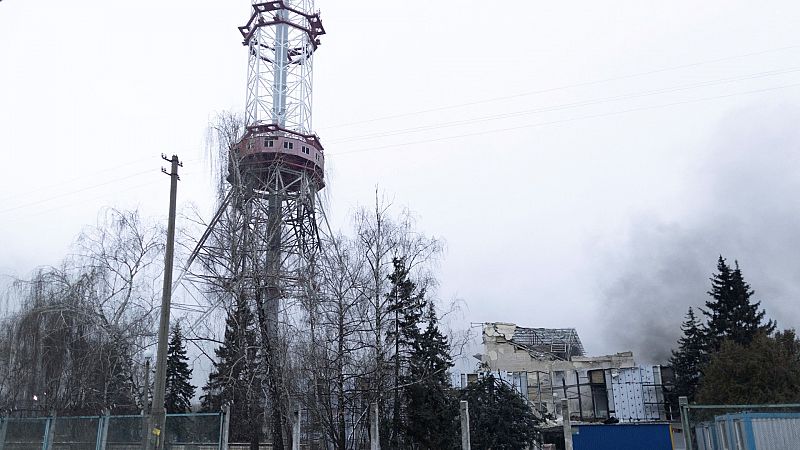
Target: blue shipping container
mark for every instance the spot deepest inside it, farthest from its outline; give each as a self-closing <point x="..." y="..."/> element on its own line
<point x="622" y="436"/>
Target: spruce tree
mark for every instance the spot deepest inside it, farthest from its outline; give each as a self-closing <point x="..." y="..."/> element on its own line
<point x="432" y="410"/>
<point x="730" y="312"/>
<point x="406" y="306"/>
<point x="691" y="356"/>
<point x="235" y="378"/>
<point x="179" y="389"/>
<point x="499" y="418"/>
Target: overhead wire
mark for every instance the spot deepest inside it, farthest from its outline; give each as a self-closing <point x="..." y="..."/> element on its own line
<point x="560" y="121"/>
<point x="66" y="194"/>
<point x="563" y="106"/>
<point x="29" y="192"/>
<point x="563" y="87"/>
<point x="84" y="189"/>
<point x="68" y="204"/>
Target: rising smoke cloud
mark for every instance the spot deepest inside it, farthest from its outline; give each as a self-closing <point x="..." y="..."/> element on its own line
<point x="745" y="207"/>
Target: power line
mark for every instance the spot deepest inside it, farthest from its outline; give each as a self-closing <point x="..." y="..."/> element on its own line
<point x="68" y="204"/>
<point x="563" y="87"/>
<point x="66" y="194"/>
<point x="83" y="189"/>
<point x="554" y="122"/>
<point x="565" y="106"/>
<point x="72" y="180"/>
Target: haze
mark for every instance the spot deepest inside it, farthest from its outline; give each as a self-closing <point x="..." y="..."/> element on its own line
<point x="586" y="162"/>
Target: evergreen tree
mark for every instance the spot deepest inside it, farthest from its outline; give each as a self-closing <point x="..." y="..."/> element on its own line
<point x="767" y="370"/>
<point x="730" y="313"/>
<point x="235" y="378"/>
<point x="432" y="409"/>
<point x="179" y="389"/>
<point x="406" y="306"/>
<point x="689" y="359"/>
<point x="499" y="418"/>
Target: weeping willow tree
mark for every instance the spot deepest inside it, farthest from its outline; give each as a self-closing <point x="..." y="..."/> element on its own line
<point x="75" y="342"/>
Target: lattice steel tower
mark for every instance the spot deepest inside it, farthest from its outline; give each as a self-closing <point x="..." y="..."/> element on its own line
<point x="276" y="169"/>
<point x="263" y="240"/>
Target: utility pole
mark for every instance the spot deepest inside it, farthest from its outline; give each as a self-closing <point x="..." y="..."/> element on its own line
<point x="158" y="416"/>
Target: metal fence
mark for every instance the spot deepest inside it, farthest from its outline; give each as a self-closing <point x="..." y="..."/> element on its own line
<point x="741" y="427"/>
<point x="201" y="431"/>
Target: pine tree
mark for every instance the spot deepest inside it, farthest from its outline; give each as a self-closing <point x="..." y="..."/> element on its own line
<point x="691" y="356"/>
<point x="432" y="408"/>
<point x="730" y="313"/>
<point x="235" y="378"/>
<point x="178" y="387"/>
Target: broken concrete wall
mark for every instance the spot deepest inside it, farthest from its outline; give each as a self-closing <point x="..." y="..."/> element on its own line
<point x="589" y="382"/>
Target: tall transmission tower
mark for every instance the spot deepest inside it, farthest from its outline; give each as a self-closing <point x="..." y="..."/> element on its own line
<point x="277" y="168"/>
<point x="264" y="238"/>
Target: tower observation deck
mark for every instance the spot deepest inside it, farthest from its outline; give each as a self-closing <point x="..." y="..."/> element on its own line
<point x="281" y="38"/>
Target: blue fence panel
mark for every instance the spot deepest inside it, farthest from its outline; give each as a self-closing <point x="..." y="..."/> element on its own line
<point x="197" y="431"/>
<point x="706" y="436"/>
<point x="622" y="436"/>
<point x="25" y="434"/>
<point x="756" y="431"/>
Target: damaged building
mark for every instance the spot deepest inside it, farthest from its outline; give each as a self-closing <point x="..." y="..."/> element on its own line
<point x="546" y="365"/>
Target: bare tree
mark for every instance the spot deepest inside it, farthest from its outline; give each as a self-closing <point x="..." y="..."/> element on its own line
<point x="82" y="325"/>
<point x="382" y="238"/>
<point x="332" y="356"/>
<point x="346" y="347"/>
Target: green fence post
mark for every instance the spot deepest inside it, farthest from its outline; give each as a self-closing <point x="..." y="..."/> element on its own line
<point x="102" y="430"/>
<point x="374" y="427"/>
<point x="49" y="432"/>
<point x="464" y="416"/>
<point x="224" y="427"/>
<point x="298" y="415"/>
<point x="683" y="402"/>
<point x="3" y="428"/>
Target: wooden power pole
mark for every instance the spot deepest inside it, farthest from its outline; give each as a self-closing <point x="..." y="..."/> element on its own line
<point x="158" y="415"/>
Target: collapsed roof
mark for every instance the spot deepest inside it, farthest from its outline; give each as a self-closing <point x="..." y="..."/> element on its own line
<point x="541" y="343"/>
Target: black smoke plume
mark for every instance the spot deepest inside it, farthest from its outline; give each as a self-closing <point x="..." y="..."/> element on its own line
<point x="743" y="202"/>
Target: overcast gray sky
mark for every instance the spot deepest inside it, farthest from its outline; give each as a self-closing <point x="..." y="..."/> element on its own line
<point x="586" y="162"/>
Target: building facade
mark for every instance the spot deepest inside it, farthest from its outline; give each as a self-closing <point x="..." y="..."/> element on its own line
<point x="546" y="365"/>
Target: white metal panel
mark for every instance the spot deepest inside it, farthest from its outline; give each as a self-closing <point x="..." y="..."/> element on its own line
<point x="776" y="433"/>
<point x="635" y="394"/>
<point x="701" y="431"/>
